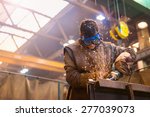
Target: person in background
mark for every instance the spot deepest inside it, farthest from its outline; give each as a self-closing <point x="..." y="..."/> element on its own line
<point x="92" y="58"/>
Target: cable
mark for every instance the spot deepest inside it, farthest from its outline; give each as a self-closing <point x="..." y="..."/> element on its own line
<point x="118" y="10"/>
<point x="108" y="5"/>
<point x="136" y="71"/>
<point x="142" y="68"/>
<point x="124" y="9"/>
<point x="95" y="2"/>
<point x="115" y="10"/>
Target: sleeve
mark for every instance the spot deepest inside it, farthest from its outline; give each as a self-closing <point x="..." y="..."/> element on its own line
<point x="73" y="76"/>
<point x="124" y="59"/>
<point x="118" y="50"/>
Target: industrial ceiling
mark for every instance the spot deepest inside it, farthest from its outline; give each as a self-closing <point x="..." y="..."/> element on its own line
<point x="38" y="44"/>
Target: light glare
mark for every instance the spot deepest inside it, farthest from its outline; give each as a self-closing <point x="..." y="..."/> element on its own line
<point x="25" y="70"/>
<point x="71" y="41"/>
<point x="100" y="17"/>
<point x="142" y="25"/>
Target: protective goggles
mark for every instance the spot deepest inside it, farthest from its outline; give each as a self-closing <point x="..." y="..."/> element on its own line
<point x="92" y="40"/>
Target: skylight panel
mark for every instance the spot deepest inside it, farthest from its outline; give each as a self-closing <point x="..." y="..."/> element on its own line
<point x="47" y="7"/>
<point x="26" y="19"/>
<point x="8" y="45"/>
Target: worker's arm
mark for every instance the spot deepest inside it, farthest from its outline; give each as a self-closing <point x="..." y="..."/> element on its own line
<point x="124" y="59"/>
<point x="117" y="50"/>
<point x="73" y="75"/>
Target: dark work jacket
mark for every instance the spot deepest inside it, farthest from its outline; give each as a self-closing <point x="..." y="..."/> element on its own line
<point x="79" y="59"/>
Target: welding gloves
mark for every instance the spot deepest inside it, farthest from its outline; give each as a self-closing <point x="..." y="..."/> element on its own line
<point x="124" y="63"/>
<point x="84" y="77"/>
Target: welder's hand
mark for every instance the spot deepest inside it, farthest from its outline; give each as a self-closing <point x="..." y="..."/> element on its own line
<point x="92" y="75"/>
<point x="114" y="75"/>
<point x="129" y="60"/>
<point x="123" y="67"/>
<point x="84" y="78"/>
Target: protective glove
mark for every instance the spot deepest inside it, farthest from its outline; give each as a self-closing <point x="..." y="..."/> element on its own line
<point x="114" y="75"/>
<point x="92" y="75"/>
<point x="125" y="61"/>
<point x="123" y="67"/>
<point x="84" y="77"/>
<point x="132" y="54"/>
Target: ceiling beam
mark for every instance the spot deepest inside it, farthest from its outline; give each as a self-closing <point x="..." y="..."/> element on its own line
<point x="47" y="28"/>
<point x="19" y="6"/>
<point x="29" y="31"/>
<point x="81" y="5"/>
<point x="62" y="31"/>
<point x="30" y="61"/>
<point x="56" y="54"/>
<point x="4" y="32"/>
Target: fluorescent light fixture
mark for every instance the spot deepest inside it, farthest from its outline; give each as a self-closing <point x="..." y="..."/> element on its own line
<point x="142" y="25"/>
<point x="24" y="70"/>
<point x="100" y="17"/>
<point x="71" y="41"/>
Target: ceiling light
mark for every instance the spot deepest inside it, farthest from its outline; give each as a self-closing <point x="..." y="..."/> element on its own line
<point x="64" y="74"/>
<point x="142" y="25"/>
<point x="24" y="70"/>
<point x="71" y="41"/>
<point x="65" y="44"/>
<point x="100" y="17"/>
